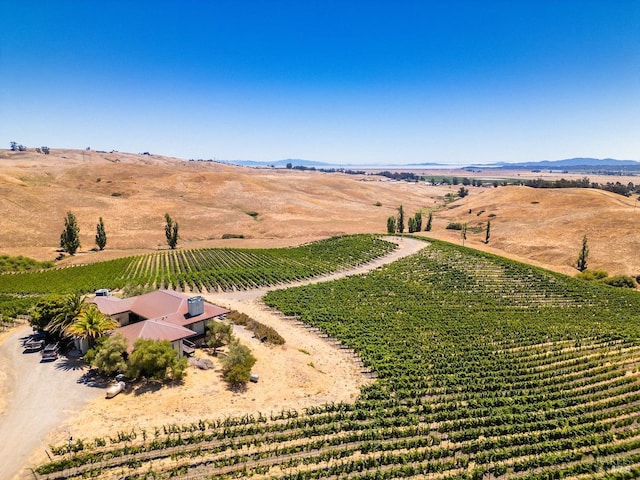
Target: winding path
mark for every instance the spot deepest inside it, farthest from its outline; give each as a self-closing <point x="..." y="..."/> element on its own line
<point x="406" y="247"/>
<point x="41" y="396"/>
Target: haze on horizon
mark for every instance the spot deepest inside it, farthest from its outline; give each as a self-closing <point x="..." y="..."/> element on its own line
<point x="352" y="82"/>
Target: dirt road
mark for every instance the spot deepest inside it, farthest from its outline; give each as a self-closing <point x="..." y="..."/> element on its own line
<point x="406" y="247"/>
<point x="40" y="395"/>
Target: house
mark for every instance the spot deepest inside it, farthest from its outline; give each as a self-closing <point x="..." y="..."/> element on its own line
<point x="161" y="315"/>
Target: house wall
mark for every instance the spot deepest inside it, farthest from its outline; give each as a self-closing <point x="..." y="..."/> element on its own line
<point x="197" y="327"/>
<point x="177" y="345"/>
<point x="81" y="344"/>
<point x="121" y="318"/>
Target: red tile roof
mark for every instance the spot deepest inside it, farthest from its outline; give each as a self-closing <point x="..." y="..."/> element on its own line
<point x="166" y="305"/>
<point x="166" y="315"/>
<point x="154" y="330"/>
<point x="113" y="305"/>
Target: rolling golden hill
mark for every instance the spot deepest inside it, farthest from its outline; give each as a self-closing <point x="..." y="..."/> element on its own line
<point x="276" y="207"/>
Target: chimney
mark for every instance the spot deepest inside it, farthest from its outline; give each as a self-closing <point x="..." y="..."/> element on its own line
<point x="196" y="306"/>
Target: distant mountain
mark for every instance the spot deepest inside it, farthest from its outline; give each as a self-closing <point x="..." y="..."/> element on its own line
<point x="427" y="164"/>
<point x="568" y="164"/>
<point x="295" y="162"/>
<point x="575" y="164"/>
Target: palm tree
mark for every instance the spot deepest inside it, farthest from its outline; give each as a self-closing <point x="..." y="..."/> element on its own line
<point x="90" y="324"/>
<point x="72" y="307"/>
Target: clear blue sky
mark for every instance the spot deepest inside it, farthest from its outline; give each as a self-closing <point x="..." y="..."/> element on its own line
<point x="349" y="82"/>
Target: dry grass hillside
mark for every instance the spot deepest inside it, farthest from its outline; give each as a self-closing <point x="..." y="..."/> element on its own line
<point x="546" y="226"/>
<point x="132" y="193"/>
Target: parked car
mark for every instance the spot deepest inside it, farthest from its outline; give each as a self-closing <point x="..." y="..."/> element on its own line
<point x="50" y="352"/>
<point x="35" y="343"/>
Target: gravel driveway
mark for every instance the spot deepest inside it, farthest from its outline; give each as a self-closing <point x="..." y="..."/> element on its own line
<point x="40" y="396"/>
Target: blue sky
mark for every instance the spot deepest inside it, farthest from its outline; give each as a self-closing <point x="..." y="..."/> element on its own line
<point x="348" y="82"/>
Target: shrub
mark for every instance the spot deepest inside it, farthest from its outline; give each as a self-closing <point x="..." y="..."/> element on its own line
<point x="232" y="235"/>
<point x="261" y="331"/>
<point x="454" y="226"/>
<point x="155" y="360"/>
<point x="592" y="275"/>
<point x="21" y="264"/>
<point x="623" y="281"/>
<point x="108" y="355"/>
<point x="237" y="364"/>
<point x="218" y="335"/>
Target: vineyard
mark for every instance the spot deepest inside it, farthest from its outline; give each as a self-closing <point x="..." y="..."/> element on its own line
<point x="203" y="270"/>
<point x="486" y="369"/>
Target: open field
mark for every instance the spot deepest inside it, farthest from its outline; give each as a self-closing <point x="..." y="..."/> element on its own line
<point x="486" y="369"/>
<point x="132" y="193"/>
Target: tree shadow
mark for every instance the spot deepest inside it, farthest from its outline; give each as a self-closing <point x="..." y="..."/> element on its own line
<point x="237" y="387"/>
<point x="145" y="386"/>
<point x="93" y="378"/>
<point x="70" y="364"/>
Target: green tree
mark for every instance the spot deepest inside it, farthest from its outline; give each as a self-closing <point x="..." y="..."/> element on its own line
<point x="91" y="324"/>
<point x="463" y="192"/>
<point x="171" y="231"/>
<point x="219" y="334"/>
<point x="108" y="355"/>
<point x="236" y="366"/>
<point x="101" y="236"/>
<point x="391" y="225"/>
<point x="45" y="310"/>
<point x="463" y="233"/>
<point x="488" y="232"/>
<point x="155" y="359"/>
<point x="70" y="236"/>
<point x="418" y="220"/>
<point x="412" y="224"/>
<point x="581" y="263"/>
<point x="400" y="224"/>
<point x="72" y="305"/>
<point x="429" y="222"/>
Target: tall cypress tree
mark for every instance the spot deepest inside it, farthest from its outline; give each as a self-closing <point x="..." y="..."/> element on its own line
<point x="429" y="220"/>
<point x="418" y="220"/>
<point x="171" y="231"/>
<point x="400" y="225"/>
<point x="581" y="263"/>
<point x="70" y="236"/>
<point x="101" y="236"/>
<point x="391" y="225"/>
